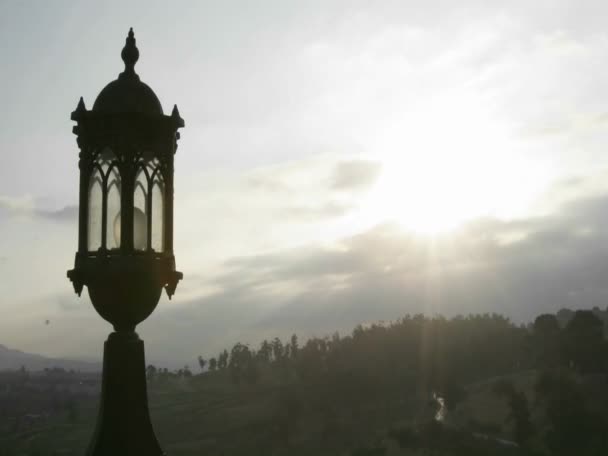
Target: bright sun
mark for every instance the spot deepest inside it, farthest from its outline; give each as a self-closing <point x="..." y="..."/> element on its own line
<point x="454" y="165"/>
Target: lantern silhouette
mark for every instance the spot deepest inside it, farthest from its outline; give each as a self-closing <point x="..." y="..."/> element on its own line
<point x="125" y="240"/>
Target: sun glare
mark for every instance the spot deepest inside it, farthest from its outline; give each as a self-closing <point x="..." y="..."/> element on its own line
<point x="454" y="165"/>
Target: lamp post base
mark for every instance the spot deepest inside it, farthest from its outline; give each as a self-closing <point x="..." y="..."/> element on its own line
<point x="123" y="424"/>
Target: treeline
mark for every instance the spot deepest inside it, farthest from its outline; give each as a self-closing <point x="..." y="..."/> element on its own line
<point x="244" y="363"/>
<point x="433" y="352"/>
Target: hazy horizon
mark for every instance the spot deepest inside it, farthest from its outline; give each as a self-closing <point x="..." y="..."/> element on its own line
<point x="340" y="164"/>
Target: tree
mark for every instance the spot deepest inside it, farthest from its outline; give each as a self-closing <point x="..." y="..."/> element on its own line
<point x="287" y="352"/>
<point x="202" y="363"/>
<point x="265" y="352"/>
<point x="545" y="339"/>
<point x="294" y="346"/>
<point x="212" y="364"/>
<point x="546" y="326"/>
<point x="222" y="361"/>
<point x="311" y="361"/>
<point x="242" y="364"/>
<point x="277" y="349"/>
<point x="583" y="342"/>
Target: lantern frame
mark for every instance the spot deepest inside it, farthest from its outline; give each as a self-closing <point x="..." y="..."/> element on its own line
<point x="124" y="283"/>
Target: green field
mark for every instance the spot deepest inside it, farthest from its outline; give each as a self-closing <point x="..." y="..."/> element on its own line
<point x="210" y="415"/>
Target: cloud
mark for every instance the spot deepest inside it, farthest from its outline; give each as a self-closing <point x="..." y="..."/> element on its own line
<point x="354" y="175"/>
<point x="267" y="183"/>
<point x="26" y="205"/>
<point x="18" y="204"/>
<point x="67" y="213"/>
<point x="315" y="213"/>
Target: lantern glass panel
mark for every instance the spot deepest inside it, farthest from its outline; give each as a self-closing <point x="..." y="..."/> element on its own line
<point x="95" y="211"/>
<point x="158" y="213"/>
<point x="140" y="217"/>
<point x="113" y="208"/>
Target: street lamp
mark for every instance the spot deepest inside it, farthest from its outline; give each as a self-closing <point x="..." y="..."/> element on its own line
<point x="125" y="241"/>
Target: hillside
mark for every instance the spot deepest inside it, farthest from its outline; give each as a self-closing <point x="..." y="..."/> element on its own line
<point x="11" y="359"/>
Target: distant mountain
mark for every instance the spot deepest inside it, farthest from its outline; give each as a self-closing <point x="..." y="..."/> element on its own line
<point x="11" y="359"/>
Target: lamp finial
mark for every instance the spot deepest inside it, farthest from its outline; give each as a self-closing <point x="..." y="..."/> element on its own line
<point x="130" y="55"/>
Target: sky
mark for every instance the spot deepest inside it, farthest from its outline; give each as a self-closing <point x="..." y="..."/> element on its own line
<point x="343" y="162"/>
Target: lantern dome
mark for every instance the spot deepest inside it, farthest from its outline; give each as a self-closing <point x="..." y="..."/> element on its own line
<point x="124" y="95"/>
<point x="128" y="93"/>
